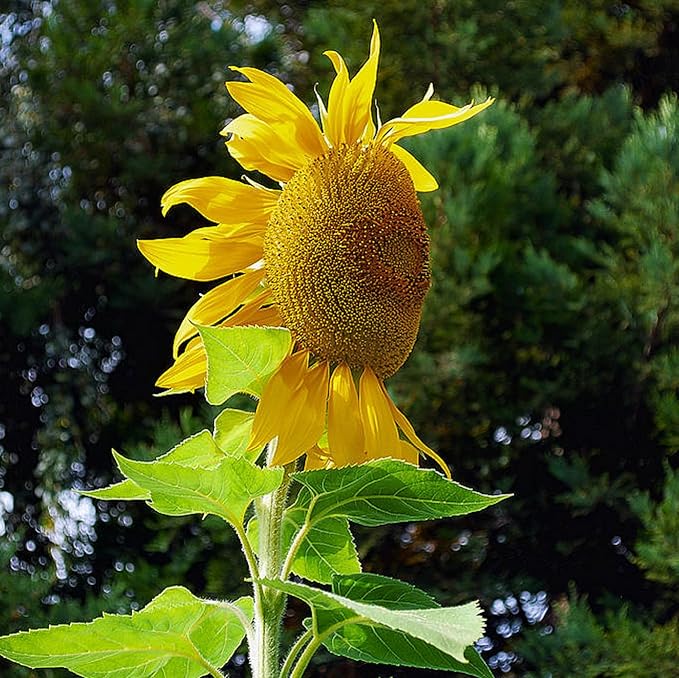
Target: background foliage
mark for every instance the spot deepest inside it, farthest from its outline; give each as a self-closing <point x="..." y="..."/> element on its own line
<point x="547" y="364"/>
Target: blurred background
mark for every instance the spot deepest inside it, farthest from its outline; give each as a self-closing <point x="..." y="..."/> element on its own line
<point x="548" y="359"/>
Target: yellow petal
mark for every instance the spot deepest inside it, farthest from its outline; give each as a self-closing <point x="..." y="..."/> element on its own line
<point x="223" y="200"/>
<point x="425" y="116"/>
<point x="267" y="148"/>
<point x="199" y="259"/>
<point x="272" y="409"/>
<point x="423" y="181"/>
<point x="381" y="434"/>
<point x="409" y="431"/>
<point x="216" y="304"/>
<point x="268" y="99"/>
<point x="316" y="458"/>
<point x="187" y="373"/>
<point x="265" y="316"/>
<point x="345" y="432"/>
<point x="251" y="312"/>
<point x="304" y="424"/>
<point x="409" y="453"/>
<point x="349" y="114"/>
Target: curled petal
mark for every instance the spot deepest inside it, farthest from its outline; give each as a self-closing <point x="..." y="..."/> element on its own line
<point x="292" y="409"/>
<point x="223" y="200"/>
<point x="414" y="439"/>
<point x="268" y="99"/>
<point x="187" y="373"/>
<point x="424" y="182"/>
<point x="264" y="147"/>
<point x="425" y="116"/>
<point x="349" y="115"/>
<point x="216" y="304"/>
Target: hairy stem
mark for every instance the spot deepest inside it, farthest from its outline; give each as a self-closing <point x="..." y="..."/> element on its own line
<point x="294" y="651"/>
<point x="269" y="603"/>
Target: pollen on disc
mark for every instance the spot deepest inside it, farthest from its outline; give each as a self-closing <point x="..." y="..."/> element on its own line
<point x="347" y="258"/>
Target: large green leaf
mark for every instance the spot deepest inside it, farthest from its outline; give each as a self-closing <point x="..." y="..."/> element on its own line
<point x="224" y="488"/>
<point x="381" y="645"/>
<point x="397" y="613"/>
<point x="385" y="491"/>
<point x="325" y="550"/>
<point x="199" y="449"/>
<point x="232" y="433"/>
<point x="176" y="634"/>
<point x="241" y="359"/>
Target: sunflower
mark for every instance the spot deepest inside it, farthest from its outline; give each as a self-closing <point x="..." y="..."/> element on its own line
<point x="339" y="254"/>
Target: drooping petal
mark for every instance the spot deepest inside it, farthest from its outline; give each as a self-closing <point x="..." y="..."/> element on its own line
<point x="425" y="116"/>
<point x="223" y="200"/>
<point x="381" y="434"/>
<point x="268" y="99"/>
<point x="187" y="373"/>
<point x="302" y="432"/>
<point x="201" y="259"/>
<point x="345" y="432"/>
<point x="292" y="408"/>
<point x="349" y="115"/>
<point x="423" y="180"/>
<point x="267" y="148"/>
<point x="409" y="453"/>
<point x="317" y="458"/>
<point x="216" y="304"/>
<point x="407" y="428"/>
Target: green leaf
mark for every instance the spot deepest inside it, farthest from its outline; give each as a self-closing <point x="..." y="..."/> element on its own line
<point x="327" y="549"/>
<point x="360" y="625"/>
<point x="176" y="634"/>
<point x="381" y="645"/>
<point x="199" y="449"/>
<point x="385" y="491"/>
<point x="224" y="488"/>
<point x="241" y="359"/>
<point x="124" y="490"/>
<point x="232" y="433"/>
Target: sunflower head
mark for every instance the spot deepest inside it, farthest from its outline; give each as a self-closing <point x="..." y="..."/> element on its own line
<point x="346" y="252"/>
<point x="338" y="253"/>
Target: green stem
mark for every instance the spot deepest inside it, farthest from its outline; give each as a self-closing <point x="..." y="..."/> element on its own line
<point x="294" y="547"/>
<point x="294" y="651"/>
<point x="305" y="658"/>
<point x="269" y="603"/>
<point x="316" y="642"/>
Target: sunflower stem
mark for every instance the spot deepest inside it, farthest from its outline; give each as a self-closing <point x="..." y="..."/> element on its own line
<point x="269" y="603"/>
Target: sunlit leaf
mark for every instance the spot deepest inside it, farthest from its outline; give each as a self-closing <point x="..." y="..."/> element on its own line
<point x="241" y="359"/>
<point x="196" y="450"/>
<point x="386" y="491"/>
<point x="395" y="612"/>
<point x="224" y="488"/>
<point x="232" y="433"/>
<point x="176" y="634"/>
